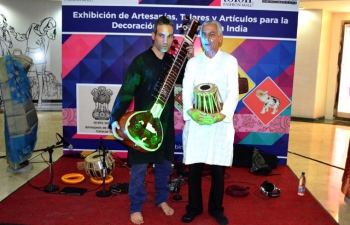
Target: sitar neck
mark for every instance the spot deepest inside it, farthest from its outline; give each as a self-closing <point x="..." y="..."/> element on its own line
<point x="169" y="82"/>
<point x="166" y="87"/>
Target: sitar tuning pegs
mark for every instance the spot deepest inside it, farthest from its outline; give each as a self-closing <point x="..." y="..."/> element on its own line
<point x="184" y="26"/>
<point x="176" y="41"/>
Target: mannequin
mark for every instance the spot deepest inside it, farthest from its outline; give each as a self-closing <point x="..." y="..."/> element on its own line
<point x="21" y="120"/>
<point x="17" y="55"/>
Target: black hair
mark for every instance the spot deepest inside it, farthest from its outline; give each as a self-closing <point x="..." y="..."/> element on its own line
<point x="163" y="20"/>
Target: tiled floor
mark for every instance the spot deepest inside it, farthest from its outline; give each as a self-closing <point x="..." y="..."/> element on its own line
<point x="315" y="148"/>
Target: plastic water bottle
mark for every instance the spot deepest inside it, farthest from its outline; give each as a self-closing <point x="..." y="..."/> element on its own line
<point x="302" y="183"/>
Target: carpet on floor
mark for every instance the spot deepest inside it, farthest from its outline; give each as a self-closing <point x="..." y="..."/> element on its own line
<point x="31" y="205"/>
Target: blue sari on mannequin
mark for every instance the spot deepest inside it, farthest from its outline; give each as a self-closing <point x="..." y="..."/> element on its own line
<point x="21" y="120"/>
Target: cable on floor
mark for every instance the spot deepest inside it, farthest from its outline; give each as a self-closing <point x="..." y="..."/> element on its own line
<point x="316" y="160"/>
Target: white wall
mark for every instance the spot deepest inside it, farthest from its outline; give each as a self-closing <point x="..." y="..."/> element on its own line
<point x="316" y="64"/>
<point x="21" y="14"/>
<point x="323" y="66"/>
<point x="306" y="63"/>
<point x="336" y="34"/>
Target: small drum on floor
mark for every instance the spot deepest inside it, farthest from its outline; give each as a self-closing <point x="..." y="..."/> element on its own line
<point x="207" y="98"/>
<point x="94" y="165"/>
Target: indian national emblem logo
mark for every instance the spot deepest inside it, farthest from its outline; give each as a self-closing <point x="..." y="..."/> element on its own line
<point x="101" y="97"/>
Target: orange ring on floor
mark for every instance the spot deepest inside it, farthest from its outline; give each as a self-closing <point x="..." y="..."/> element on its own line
<point x="108" y="180"/>
<point x="72" y="178"/>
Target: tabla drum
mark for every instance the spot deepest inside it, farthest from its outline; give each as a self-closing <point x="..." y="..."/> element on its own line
<point x="207" y="98"/>
<point x="94" y="165"/>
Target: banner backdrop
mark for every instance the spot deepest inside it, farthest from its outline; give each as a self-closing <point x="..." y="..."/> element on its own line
<point x="101" y="38"/>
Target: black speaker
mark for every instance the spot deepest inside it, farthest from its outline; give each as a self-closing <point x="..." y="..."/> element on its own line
<point x="270" y="190"/>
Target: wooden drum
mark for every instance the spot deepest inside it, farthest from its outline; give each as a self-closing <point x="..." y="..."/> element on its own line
<point x="207" y="98"/>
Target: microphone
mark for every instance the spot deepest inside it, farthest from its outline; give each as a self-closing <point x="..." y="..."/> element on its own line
<point x="177" y="184"/>
<point x="69" y="146"/>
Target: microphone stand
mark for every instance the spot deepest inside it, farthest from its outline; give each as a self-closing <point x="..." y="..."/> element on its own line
<point x="104" y="192"/>
<point x="50" y="187"/>
<point x="181" y="174"/>
<point x="177" y="197"/>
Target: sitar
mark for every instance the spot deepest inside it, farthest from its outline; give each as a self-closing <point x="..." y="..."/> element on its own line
<point x="142" y="130"/>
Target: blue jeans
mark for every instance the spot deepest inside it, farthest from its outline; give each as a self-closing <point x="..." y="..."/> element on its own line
<point x="137" y="192"/>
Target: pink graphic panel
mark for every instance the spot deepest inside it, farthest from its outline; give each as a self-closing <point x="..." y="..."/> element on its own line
<point x="75" y="49"/>
<point x="250" y="123"/>
<point x="69" y="117"/>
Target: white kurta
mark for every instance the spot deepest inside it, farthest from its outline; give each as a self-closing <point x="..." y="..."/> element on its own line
<point x="210" y="144"/>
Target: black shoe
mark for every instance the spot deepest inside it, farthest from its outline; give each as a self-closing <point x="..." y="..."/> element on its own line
<point x="221" y="219"/>
<point x="187" y="218"/>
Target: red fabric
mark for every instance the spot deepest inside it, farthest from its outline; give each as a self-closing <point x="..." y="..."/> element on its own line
<point x="28" y="205"/>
